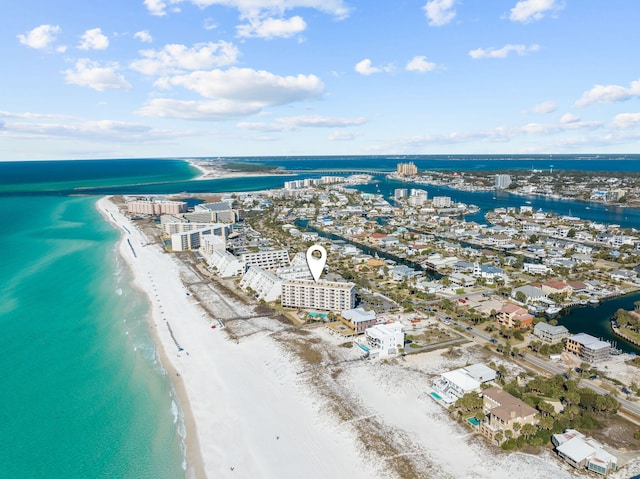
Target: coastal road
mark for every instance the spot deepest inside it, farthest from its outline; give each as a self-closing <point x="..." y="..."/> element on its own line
<point x="552" y="368"/>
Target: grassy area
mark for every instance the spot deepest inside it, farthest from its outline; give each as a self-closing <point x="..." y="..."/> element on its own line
<point x="433" y="334"/>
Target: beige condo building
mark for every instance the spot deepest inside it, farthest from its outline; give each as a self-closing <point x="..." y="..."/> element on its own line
<point x="322" y="295"/>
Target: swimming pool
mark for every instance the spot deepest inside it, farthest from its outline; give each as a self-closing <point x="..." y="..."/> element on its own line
<point x="435" y="395"/>
<point x="473" y="421"/>
<point x="315" y="314"/>
<point x="365" y="348"/>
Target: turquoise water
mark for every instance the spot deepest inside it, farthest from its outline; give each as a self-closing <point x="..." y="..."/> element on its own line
<point x="473" y="421"/>
<point x="83" y="393"/>
<point x="435" y="395"/>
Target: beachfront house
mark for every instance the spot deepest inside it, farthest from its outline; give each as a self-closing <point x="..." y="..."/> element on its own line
<point x="385" y="339"/>
<point x="452" y="385"/>
<point x="584" y="453"/>
<point x="502" y="412"/>
<point x="358" y="319"/>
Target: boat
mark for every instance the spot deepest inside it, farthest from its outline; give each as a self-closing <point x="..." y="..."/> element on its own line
<point x="594" y="300"/>
<point x="528" y="202"/>
<point x="552" y="310"/>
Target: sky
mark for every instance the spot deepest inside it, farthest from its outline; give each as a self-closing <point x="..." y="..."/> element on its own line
<point x="220" y="78"/>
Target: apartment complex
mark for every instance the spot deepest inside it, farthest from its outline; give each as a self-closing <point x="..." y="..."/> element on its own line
<point x="171" y="228"/>
<point x="220" y="212"/>
<point x="264" y="284"/>
<point x="271" y="259"/>
<point x="407" y="169"/>
<point x="441" y="201"/>
<point x="322" y="295"/>
<point x="588" y="348"/>
<point x="156" y="207"/>
<point x="502" y="182"/>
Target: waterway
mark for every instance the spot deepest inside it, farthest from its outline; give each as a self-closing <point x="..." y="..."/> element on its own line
<point x="304" y="224"/>
<point x="488" y="200"/>
<point x="596" y="320"/>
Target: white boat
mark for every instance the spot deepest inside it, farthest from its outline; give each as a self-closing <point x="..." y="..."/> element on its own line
<point x="594" y="300"/>
<point x="553" y="310"/>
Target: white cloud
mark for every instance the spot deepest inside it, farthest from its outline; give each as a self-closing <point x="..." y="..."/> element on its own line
<point x="439" y="12"/>
<point x="366" y="68"/>
<point x="156" y="7"/>
<point x="295" y="122"/>
<point x="420" y="64"/>
<point x="247" y="85"/>
<point x="257" y="8"/>
<point x="527" y="11"/>
<point x="100" y="130"/>
<point x="31" y="116"/>
<point x="624" y="121"/>
<point x="343" y="135"/>
<point x="503" y="52"/>
<point x="94" y="39"/>
<point x="199" y="110"/>
<point x="544" y="107"/>
<point x="40" y="37"/>
<point x="569" y="118"/>
<point x="210" y="24"/>
<point x="90" y="74"/>
<point x="175" y="58"/>
<point x="144" y="36"/>
<point x="609" y="94"/>
<point x="272" y="28"/>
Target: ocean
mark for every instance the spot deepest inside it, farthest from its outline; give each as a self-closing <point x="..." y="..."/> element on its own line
<point x="84" y="393"/>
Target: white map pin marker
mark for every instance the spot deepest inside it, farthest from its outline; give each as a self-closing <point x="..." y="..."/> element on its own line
<point x="316" y="265"/>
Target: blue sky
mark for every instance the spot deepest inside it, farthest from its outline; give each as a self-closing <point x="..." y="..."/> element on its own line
<point x="164" y="78"/>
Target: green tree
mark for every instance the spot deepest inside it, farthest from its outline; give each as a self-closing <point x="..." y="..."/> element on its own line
<point x="546" y="423"/>
<point x="528" y="430"/>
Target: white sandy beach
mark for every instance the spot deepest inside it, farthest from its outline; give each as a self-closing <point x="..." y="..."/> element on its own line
<point x="249" y="414"/>
<point x="241" y="396"/>
<point x="210" y="172"/>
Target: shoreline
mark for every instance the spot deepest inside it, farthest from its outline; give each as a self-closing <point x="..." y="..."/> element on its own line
<point x="221" y="173"/>
<point x="193" y="457"/>
<point x="247" y="412"/>
<point x="250" y="409"/>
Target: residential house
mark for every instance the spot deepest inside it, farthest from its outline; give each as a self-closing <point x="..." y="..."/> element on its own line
<point x="556" y="287"/>
<point x="582" y="452"/>
<point x="502" y="412"/>
<point x="514" y="316"/>
<point x="549" y="333"/>
<point x="452" y="385"/>
<point x="358" y="319"/>
<point x="385" y="339"/>
<point x="532" y="294"/>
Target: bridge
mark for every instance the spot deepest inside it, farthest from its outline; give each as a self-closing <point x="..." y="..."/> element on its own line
<point x="346" y="171"/>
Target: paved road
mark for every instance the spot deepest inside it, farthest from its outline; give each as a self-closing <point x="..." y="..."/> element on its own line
<point x="553" y="368"/>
